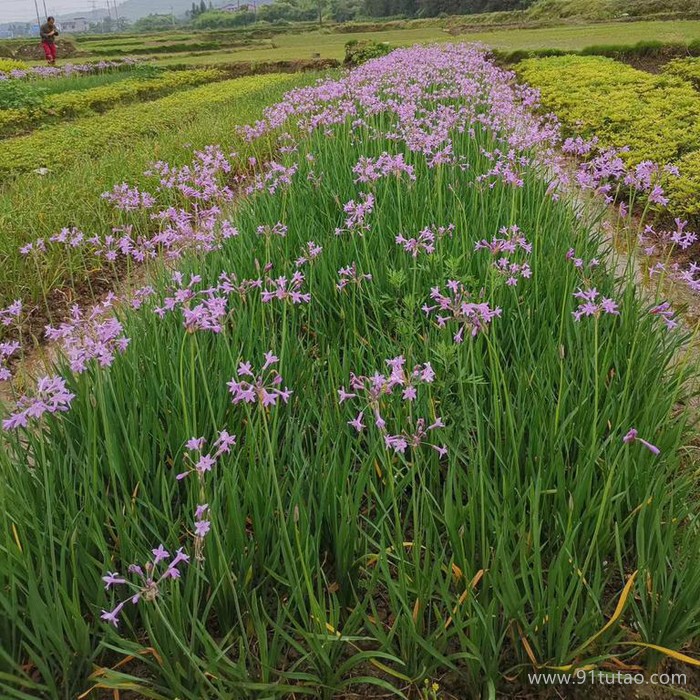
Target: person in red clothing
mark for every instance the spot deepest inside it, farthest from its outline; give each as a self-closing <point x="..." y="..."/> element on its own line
<point x="49" y="33"/>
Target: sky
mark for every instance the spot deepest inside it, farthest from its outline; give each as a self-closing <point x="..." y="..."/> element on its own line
<point x="23" y="10"/>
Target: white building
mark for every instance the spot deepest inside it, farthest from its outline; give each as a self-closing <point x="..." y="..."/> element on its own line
<point x="75" y="25"/>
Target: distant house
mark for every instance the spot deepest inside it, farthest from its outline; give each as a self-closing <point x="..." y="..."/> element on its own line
<point x="75" y="25"/>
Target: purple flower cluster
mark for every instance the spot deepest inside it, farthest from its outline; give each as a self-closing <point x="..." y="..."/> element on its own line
<point x="372" y="169"/>
<point x="200" y="462"/>
<point x="285" y="289"/>
<point x="263" y="388"/>
<point x="512" y="242"/>
<point x="201" y="181"/>
<point x="454" y="306"/>
<point x="579" y="263"/>
<point x="148" y="581"/>
<point x="309" y="254"/>
<point x="357" y="213"/>
<point x="371" y="392"/>
<point x="665" y="312"/>
<point x="127" y="198"/>
<point x="274" y="178"/>
<point x="207" y="314"/>
<point x="267" y="231"/>
<point x="424" y="241"/>
<point x="6" y="351"/>
<point x="97" y="335"/>
<point x="11" y="313"/>
<point x="350" y="275"/>
<point x="66" y="71"/>
<point x="590" y="306"/>
<point x="202" y="526"/>
<point x="51" y="396"/>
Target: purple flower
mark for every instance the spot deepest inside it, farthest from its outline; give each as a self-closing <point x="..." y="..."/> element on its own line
<point x="357" y="213"/>
<point x="146" y="587"/>
<point x="357" y="422"/>
<point x="279" y="230"/>
<point x="159" y="554"/>
<point x="264" y="388"/>
<point x="589" y="306"/>
<point x="12" y="313"/>
<point x="113" y="579"/>
<point x="199" y="461"/>
<point x="113" y="616"/>
<point x="283" y="289"/>
<point x="350" y="275"/>
<point x="374" y="393"/>
<point x="195" y="443"/>
<point x="632" y="436"/>
<point x="665" y="312"/>
<point x="201" y="528"/>
<point x="311" y="252"/>
<point x="51" y="396"/>
<point x="224" y="443"/>
<point x="454" y="306"/>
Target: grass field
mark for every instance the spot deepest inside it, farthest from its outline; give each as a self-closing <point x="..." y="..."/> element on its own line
<point x="565" y="37"/>
<point x="291" y="46"/>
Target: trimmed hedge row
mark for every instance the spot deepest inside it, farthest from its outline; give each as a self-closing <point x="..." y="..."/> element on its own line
<point x="621" y="52"/>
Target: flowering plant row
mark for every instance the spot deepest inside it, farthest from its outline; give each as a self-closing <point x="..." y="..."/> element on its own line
<point x="16" y="70"/>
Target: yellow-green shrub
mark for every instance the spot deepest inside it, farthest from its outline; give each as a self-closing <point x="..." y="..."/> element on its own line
<point x="8" y="64"/>
<point x="684" y="191"/>
<point x="60" y="145"/>
<point x="686" y="68"/>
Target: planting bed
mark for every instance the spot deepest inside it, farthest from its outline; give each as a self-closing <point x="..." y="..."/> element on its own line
<point x="655" y="116"/>
<point x="73" y="103"/>
<point x="395" y="426"/>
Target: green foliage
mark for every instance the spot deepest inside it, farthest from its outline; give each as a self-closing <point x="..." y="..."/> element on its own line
<point x="332" y="562"/>
<point x="18" y="94"/>
<point x="684" y="191"/>
<point x="357" y="52"/>
<point x="87" y="156"/>
<point x="612" y="9"/>
<point x="153" y="23"/>
<point x="216" y="20"/>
